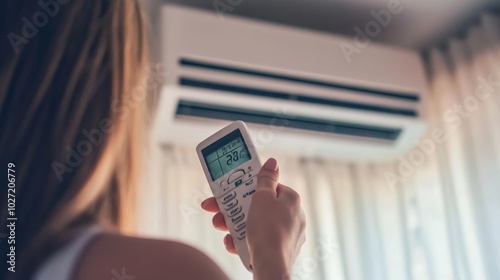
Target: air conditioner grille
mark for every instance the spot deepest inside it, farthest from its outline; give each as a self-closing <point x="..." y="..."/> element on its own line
<point x="197" y="83"/>
<point x="332" y="127"/>
<point x="408" y="96"/>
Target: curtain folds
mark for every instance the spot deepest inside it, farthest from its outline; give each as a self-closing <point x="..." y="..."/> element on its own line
<point x="434" y="213"/>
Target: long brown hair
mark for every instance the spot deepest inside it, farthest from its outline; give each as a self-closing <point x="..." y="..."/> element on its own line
<point x="70" y="123"/>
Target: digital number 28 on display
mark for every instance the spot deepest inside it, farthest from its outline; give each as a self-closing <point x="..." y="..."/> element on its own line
<point x="235" y="156"/>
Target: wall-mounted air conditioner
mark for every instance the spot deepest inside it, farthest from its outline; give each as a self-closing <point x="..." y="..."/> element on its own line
<point x="295" y="88"/>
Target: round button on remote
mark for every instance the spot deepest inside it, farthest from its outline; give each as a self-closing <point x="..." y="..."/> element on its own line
<point x="228" y="197"/>
<point x="235" y="175"/>
<point x="242" y="234"/>
<point x="240" y="226"/>
<point x="223" y="183"/>
<point x="234" y="211"/>
<point x="231" y="204"/>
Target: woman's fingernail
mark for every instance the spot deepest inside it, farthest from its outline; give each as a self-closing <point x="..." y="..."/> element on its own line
<point x="204" y="203"/>
<point x="271" y="165"/>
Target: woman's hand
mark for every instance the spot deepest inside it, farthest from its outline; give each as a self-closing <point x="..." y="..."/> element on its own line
<point x="275" y="225"/>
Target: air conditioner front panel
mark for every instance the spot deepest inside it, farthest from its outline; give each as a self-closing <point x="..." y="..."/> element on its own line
<point x="371" y="108"/>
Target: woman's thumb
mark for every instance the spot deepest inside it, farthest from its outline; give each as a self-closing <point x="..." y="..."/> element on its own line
<point x="268" y="176"/>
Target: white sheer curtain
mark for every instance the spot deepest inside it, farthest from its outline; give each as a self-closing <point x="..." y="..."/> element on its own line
<point x="431" y="214"/>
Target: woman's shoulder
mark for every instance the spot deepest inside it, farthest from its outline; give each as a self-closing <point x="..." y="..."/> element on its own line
<point x="114" y="256"/>
<point x="61" y="264"/>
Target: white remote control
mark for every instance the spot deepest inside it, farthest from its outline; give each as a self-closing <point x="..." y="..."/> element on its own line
<point x="231" y="164"/>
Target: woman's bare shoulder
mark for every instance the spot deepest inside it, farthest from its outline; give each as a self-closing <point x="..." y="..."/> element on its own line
<point x="115" y="256"/>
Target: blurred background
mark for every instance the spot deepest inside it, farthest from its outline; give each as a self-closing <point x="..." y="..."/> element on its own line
<point x="383" y="115"/>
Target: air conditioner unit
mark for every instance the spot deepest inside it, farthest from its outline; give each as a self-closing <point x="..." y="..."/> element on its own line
<point x="293" y="87"/>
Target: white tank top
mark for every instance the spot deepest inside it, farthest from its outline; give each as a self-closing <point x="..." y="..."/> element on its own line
<point x="62" y="264"/>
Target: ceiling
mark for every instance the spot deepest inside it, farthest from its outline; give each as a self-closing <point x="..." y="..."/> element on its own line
<point x="420" y="24"/>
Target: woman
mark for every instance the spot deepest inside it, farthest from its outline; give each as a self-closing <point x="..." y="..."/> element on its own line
<point x="71" y="138"/>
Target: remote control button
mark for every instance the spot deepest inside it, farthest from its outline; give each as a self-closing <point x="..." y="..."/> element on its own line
<point x="223" y="183"/>
<point x="242" y="234"/>
<point x="231" y="204"/>
<point x="228" y="197"/>
<point x="234" y="211"/>
<point x="239" y="227"/>
<point x="235" y="175"/>
<point x="237" y="218"/>
<point x="238" y="182"/>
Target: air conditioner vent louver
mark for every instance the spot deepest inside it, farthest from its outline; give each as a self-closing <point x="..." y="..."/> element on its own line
<point x="332" y="127"/>
<point x="255" y="91"/>
<point x="250" y="72"/>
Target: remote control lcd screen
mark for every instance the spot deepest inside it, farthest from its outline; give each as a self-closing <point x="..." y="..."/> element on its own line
<point x="226" y="154"/>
